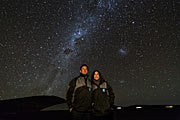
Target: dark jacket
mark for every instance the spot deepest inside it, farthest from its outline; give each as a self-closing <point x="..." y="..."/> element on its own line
<point x="102" y="98"/>
<point x="79" y="94"/>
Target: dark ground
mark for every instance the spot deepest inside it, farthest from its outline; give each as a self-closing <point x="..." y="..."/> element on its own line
<point x="169" y="114"/>
<point x="54" y="108"/>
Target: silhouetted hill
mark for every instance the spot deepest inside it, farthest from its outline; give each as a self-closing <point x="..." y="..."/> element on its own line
<point x="34" y="103"/>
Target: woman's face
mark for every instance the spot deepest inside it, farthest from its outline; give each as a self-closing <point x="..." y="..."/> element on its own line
<point x="96" y="76"/>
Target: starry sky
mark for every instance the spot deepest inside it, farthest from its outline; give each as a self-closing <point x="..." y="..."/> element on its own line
<point x="134" y="43"/>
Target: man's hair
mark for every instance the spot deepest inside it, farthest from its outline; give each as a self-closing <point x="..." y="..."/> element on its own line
<point x="84" y="65"/>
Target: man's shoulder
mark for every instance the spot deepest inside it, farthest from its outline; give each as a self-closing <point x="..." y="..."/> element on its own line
<point x="75" y="79"/>
<point x="80" y="78"/>
<point x="103" y="82"/>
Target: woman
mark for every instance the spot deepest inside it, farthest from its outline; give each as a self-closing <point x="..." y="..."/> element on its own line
<point x="102" y="98"/>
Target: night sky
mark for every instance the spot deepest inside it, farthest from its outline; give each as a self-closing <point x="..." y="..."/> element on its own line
<point x="134" y="43"/>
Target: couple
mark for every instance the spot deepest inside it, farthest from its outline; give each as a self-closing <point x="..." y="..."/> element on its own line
<point x="89" y="99"/>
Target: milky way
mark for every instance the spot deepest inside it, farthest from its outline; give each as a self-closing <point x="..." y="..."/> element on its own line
<point x="134" y="43"/>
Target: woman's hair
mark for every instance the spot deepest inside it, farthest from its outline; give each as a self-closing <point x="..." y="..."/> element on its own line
<point x="100" y="76"/>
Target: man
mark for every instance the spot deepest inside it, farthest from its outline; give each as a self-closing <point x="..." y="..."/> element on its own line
<point x="79" y="95"/>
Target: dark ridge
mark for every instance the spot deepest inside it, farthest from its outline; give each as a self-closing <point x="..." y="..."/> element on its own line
<point x="29" y="104"/>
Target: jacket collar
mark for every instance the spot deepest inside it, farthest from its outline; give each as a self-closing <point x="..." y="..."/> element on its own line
<point x="85" y="76"/>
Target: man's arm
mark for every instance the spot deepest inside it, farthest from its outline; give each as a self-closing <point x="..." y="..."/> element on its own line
<point x="69" y="94"/>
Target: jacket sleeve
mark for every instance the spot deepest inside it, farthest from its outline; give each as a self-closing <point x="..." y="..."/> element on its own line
<point x="111" y="94"/>
<point x="69" y="94"/>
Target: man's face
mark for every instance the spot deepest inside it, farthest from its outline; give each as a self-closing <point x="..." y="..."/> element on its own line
<point x="96" y="76"/>
<point x="84" y="70"/>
